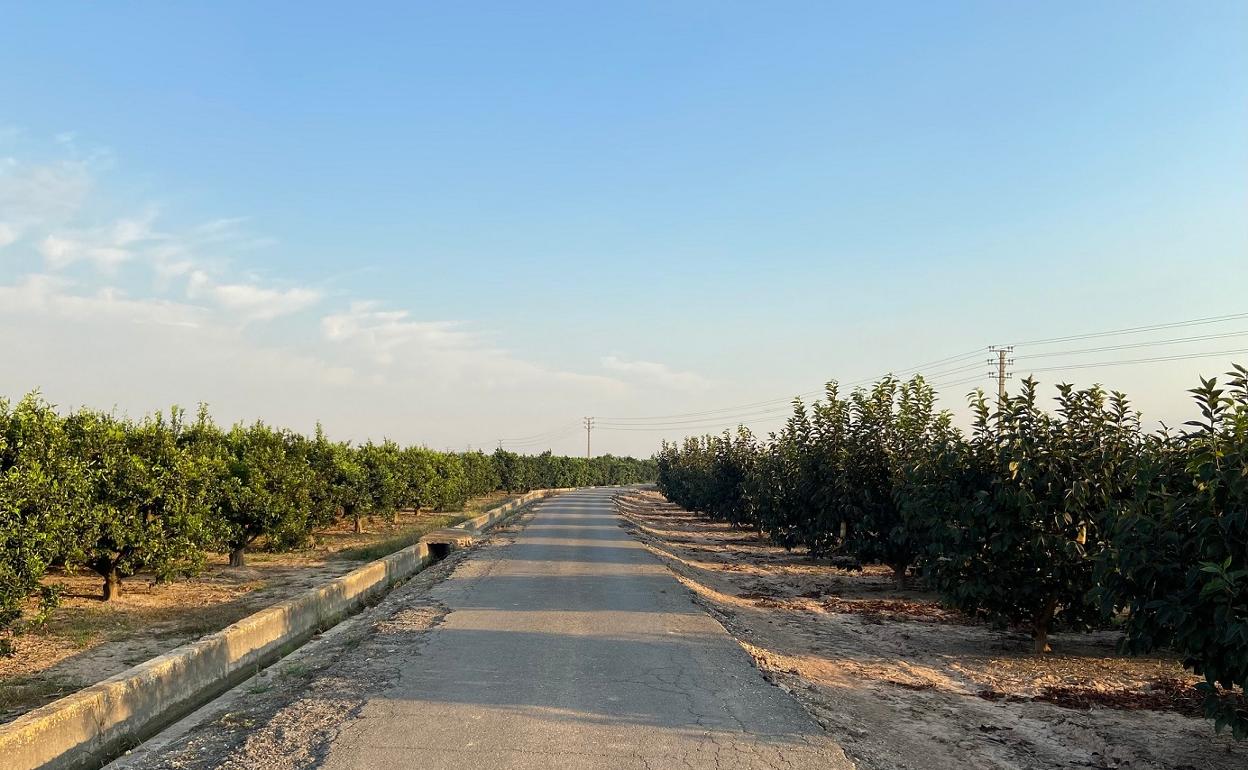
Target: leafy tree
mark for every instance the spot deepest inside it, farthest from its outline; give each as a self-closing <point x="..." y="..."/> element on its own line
<point x="451" y="487"/>
<point x="894" y="427"/>
<point x="337" y="480"/>
<point x="1180" y="556"/>
<point x="1025" y="548"/>
<point x="266" y="489"/>
<point x="383" y="477"/>
<point x="480" y="474"/>
<point x="41" y="484"/>
<point x="514" y="472"/>
<point x="146" y="504"/>
<point x="345" y="479"/>
<point x="418" y="470"/>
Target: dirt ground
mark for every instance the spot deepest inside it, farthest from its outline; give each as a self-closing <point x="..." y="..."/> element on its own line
<point x="87" y="640"/>
<point x="904" y="683"/>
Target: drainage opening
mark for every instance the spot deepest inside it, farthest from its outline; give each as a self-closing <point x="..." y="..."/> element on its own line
<point x="439" y="551"/>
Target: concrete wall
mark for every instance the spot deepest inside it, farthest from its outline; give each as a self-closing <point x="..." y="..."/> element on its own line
<point x="85" y="728"/>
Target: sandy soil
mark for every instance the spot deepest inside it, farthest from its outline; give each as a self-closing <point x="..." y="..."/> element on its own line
<point x="87" y="640"/>
<point x="904" y="683"/>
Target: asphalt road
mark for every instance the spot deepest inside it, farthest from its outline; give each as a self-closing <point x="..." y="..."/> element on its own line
<point x="572" y="647"/>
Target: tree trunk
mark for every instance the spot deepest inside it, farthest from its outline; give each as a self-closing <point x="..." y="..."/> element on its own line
<point x="236" y="556"/>
<point x="1040" y="628"/>
<point x="899" y="574"/>
<point x="112" y="585"/>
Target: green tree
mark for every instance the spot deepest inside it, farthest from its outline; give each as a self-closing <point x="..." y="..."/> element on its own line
<point x="894" y="427"/>
<point x="146" y="505"/>
<point x="383" y="477"/>
<point x="266" y="488"/>
<point x="513" y="470"/>
<point x="480" y="474"/>
<point x="42" y="484"/>
<point x="1179" y="560"/>
<point x="1025" y="547"/>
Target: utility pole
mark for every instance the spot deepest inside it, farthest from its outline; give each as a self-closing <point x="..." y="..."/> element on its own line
<point x="589" y="427"/>
<point x="1001" y="373"/>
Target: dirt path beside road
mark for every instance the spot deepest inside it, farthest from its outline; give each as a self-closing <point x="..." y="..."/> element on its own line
<point x="903" y="683"/>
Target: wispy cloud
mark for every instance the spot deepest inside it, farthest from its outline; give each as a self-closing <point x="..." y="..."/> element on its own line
<point x="189" y="292"/>
<point x="41" y="194"/>
<point x="250" y="302"/>
<point x="384" y="333"/>
<point x="47" y="296"/>
<point x="444" y="350"/>
<point x="656" y="373"/>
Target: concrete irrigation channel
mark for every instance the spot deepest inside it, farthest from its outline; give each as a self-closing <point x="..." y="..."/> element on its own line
<point x="562" y="644"/>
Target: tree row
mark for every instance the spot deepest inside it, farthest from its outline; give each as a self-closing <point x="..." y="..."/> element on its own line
<point x="117" y="497"/>
<point x="1075" y="518"/>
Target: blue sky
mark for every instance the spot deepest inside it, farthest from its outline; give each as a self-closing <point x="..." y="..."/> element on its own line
<point x="452" y="223"/>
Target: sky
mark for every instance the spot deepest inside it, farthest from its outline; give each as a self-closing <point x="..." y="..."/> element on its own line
<point x="460" y="223"/>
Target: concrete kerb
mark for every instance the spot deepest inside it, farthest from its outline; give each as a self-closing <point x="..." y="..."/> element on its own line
<point x="88" y="727"/>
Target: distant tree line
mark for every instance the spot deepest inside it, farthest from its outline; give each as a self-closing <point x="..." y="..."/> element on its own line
<point x="117" y="496"/>
<point x="1073" y="519"/>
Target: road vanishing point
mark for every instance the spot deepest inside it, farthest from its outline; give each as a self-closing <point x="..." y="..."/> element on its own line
<point x="574" y="647"/>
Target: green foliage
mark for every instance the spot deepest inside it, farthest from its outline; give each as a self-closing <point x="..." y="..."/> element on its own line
<point x="1037" y="519"/>
<point x="451" y="490"/>
<point x="146" y="505"/>
<point x="384" y="482"/>
<point x="481" y="476"/>
<point x="1025" y="547"/>
<point x="40" y="484"/>
<point x="522" y="473"/>
<point x="119" y="497"/>
<point x="266" y="489"/>
<point x="708" y="475"/>
<point x="1180" y="557"/>
<point x="340" y="488"/>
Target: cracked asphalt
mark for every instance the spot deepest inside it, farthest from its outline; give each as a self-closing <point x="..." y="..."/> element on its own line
<point x="572" y="647"/>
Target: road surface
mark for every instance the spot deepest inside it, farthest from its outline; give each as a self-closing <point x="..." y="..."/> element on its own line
<point x="572" y="647"/>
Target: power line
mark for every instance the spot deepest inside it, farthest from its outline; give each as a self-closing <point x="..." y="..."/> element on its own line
<point x="946" y="367"/>
<point x="899" y="372"/>
<point x="1126" y="346"/>
<point x="723" y="410"/>
<point x="1095" y="364"/>
<point x="1136" y="329"/>
<point x="730" y="410"/>
<point x="543" y="439"/>
<point x="785" y="408"/>
<point x="930" y="376"/>
<point x="537" y="436"/>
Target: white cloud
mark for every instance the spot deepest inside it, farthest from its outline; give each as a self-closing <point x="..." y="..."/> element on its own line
<point x="447" y="352"/>
<point x="34" y="195"/>
<point x="656" y="373"/>
<point x="51" y="296"/>
<point x="172" y="314"/>
<point x="249" y="302"/>
<point x="61" y="251"/>
<point x="383" y="333"/>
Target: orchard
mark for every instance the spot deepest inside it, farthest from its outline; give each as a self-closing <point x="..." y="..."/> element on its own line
<point x="115" y="497"/>
<point x="1072" y="519"/>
